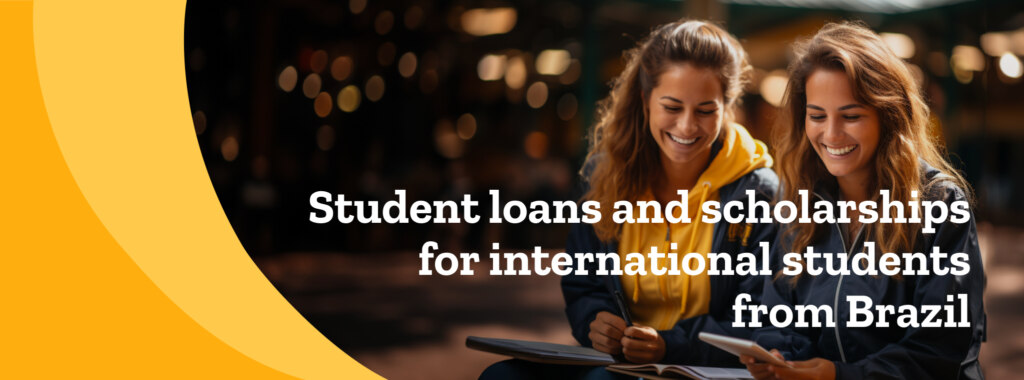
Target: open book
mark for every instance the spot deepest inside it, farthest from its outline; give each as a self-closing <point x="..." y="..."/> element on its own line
<point x="668" y="371"/>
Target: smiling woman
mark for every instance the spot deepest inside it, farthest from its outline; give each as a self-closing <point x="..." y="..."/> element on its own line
<point x="856" y="129"/>
<point x="666" y="127"/>
<point x="843" y="131"/>
<point x="686" y="118"/>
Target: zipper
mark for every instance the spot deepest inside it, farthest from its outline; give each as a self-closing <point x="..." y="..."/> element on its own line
<point x="666" y="244"/>
<point x="835" y="301"/>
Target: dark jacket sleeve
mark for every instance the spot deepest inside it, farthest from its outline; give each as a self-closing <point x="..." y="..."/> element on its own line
<point x="682" y="345"/>
<point x="936" y="353"/>
<point x="585" y="295"/>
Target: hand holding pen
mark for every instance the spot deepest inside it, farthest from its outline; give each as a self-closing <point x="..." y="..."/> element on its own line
<point x="617" y="335"/>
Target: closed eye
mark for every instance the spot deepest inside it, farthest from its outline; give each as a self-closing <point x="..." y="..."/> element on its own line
<point x="707" y="112"/>
<point x="851" y="117"/>
<point x="672" y="109"/>
<point x="816" y="117"/>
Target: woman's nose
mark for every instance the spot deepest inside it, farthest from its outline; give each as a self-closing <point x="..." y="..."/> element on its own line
<point x="687" y="123"/>
<point x="833" y="129"/>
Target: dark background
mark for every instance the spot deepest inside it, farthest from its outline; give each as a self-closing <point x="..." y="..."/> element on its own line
<point x="440" y="130"/>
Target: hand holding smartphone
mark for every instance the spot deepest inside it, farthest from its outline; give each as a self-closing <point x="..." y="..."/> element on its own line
<point x="737" y="346"/>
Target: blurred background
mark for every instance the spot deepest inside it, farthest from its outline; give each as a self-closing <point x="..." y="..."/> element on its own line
<point x="445" y="98"/>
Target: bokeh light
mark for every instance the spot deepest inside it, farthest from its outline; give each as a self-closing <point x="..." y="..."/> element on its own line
<point x="900" y="44"/>
<point x="199" y="121"/>
<point x="536" y="144"/>
<point x="318" y="61"/>
<point x="1010" y="65"/>
<point x="488" y="21"/>
<point x="968" y="57"/>
<point x="322" y="104"/>
<point x="384" y="22"/>
<point x="553" y="62"/>
<point x="446" y="141"/>
<point x="995" y="44"/>
<point x="773" y="87"/>
<point x="349" y="98"/>
<point x="288" y="78"/>
<point x="407" y="64"/>
<point x="374" y="88"/>
<point x="341" y="68"/>
<point x="357" y="6"/>
<point x="515" y="72"/>
<point x="537" y="94"/>
<point x="229" y="148"/>
<point x="965" y="60"/>
<point x="1017" y="41"/>
<point x="311" y="85"/>
<point x="491" y="67"/>
<point x="466" y="126"/>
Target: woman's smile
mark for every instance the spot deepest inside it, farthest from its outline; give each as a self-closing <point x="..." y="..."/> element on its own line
<point x="683" y="141"/>
<point x="839" y="151"/>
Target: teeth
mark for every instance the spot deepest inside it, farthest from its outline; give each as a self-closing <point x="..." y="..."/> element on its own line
<point x="682" y="141"/>
<point x="841" y="150"/>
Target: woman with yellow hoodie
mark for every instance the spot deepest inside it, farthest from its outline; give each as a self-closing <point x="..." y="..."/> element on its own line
<point x="666" y="126"/>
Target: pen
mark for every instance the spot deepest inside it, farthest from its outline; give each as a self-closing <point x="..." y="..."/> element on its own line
<point x="622" y="307"/>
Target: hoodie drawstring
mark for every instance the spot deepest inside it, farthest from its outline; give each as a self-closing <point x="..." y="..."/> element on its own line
<point x="705" y="188"/>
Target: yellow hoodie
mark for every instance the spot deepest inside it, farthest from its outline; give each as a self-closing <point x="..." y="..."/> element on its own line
<point x="661" y="301"/>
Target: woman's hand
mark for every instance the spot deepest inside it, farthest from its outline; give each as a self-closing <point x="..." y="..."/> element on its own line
<point x="814" y="369"/>
<point x="817" y="369"/>
<point x="761" y="371"/>
<point x="606" y="333"/>
<point x="642" y="344"/>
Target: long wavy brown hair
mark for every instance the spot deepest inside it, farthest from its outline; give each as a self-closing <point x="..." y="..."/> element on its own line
<point x="623" y="152"/>
<point x="880" y="80"/>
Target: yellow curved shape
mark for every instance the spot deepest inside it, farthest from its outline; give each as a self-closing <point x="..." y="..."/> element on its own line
<point x="112" y="78"/>
<point x="75" y="304"/>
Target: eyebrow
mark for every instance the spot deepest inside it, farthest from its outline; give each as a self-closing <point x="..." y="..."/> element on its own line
<point x="843" y="108"/>
<point x="709" y="102"/>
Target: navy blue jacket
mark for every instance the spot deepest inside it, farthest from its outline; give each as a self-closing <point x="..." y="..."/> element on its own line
<point x="891" y="352"/>
<point x="585" y="296"/>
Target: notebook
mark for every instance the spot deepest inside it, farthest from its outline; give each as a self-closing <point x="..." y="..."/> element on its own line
<point x="540" y="352"/>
